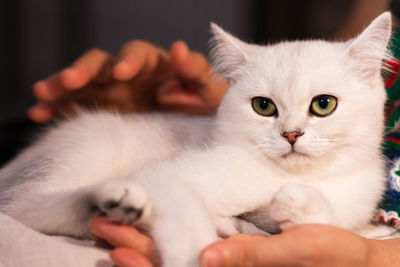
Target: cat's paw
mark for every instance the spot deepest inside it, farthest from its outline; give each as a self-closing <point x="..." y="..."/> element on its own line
<point x="122" y="201"/>
<point x="297" y="204"/>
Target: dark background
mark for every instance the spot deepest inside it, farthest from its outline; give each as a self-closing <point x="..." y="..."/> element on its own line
<point x="40" y="37"/>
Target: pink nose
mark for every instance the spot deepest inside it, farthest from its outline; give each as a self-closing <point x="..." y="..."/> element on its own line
<point x="292" y="136"/>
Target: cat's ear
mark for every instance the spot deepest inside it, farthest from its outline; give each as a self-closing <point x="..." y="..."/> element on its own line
<point x="369" y="49"/>
<point x="227" y="52"/>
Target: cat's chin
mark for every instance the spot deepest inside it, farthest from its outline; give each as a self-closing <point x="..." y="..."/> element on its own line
<point x="294" y="160"/>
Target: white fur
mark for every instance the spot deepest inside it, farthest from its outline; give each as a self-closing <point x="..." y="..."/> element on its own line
<point x="193" y="177"/>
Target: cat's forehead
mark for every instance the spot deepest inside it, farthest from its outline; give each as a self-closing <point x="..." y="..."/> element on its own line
<point x="288" y="67"/>
<point x="300" y="55"/>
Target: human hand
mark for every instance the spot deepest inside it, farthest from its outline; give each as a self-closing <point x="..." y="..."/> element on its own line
<point x="131" y="247"/>
<point x="300" y="245"/>
<point x="143" y="78"/>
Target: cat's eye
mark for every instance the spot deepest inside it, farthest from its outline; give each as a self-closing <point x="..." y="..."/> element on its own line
<point x="264" y="106"/>
<point x="323" y="105"/>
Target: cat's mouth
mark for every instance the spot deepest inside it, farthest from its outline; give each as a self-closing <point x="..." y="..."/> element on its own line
<point x="294" y="153"/>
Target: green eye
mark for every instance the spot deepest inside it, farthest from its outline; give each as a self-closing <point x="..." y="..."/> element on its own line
<point x="264" y="106"/>
<point x="323" y="105"/>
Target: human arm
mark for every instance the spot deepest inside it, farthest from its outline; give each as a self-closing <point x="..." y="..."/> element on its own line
<point x="143" y="78"/>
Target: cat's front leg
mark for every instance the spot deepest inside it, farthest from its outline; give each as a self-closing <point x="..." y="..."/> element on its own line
<point x="298" y="204"/>
<point x="70" y="213"/>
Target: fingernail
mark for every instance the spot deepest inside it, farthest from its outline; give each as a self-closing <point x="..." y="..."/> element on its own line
<point x="40" y="89"/>
<point x="211" y="258"/>
<point x="103" y="227"/>
<point x="75" y="77"/>
<point x="126" y="62"/>
<point x="69" y="72"/>
<point x="127" y="68"/>
<point x="122" y="64"/>
<point x="39" y="84"/>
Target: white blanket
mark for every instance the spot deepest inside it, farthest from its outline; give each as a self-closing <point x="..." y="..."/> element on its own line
<point x="22" y="246"/>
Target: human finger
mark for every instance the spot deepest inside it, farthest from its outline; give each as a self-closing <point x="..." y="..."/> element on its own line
<point x="94" y="65"/>
<point x="123" y="236"/>
<point x="125" y="257"/>
<point x="172" y="94"/>
<point x="196" y="89"/>
<point x="197" y="79"/>
<point x="188" y="64"/>
<point x="48" y="89"/>
<point x="45" y="111"/>
<point x="136" y="56"/>
<point x="41" y="112"/>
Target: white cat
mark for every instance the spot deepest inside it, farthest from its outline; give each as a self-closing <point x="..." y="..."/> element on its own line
<point x="296" y="140"/>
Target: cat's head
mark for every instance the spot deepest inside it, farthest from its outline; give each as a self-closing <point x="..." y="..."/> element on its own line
<point x="304" y="103"/>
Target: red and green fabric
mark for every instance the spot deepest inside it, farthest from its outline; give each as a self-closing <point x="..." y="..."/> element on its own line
<point x="389" y="209"/>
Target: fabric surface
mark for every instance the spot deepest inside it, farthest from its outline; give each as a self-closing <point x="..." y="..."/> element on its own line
<point x="22" y="246"/>
<point x="390" y="207"/>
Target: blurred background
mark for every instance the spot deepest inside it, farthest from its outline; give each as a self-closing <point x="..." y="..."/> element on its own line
<point x="40" y="37"/>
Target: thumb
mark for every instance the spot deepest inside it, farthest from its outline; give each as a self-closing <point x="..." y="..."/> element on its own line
<point x="247" y="250"/>
<point x="190" y="65"/>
